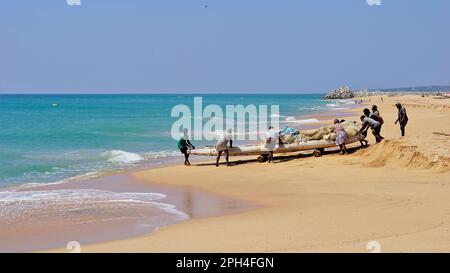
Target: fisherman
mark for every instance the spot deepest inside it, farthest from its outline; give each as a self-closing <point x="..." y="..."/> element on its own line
<point x="373" y="124"/>
<point x="375" y="115"/>
<point x="375" y="111"/>
<point x="272" y="139"/>
<point x="402" y="117"/>
<point x="341" y="136"/>
<point x="362" y="140"/>
<point x="184" y="145"/>
<point x="221" y="146"/>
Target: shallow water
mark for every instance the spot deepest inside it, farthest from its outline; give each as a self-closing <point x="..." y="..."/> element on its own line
<point x="97" y="210"/>
<point x="85" y="135"/>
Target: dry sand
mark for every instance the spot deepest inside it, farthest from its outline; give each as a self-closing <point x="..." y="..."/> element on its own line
<point x="396" y="192"/>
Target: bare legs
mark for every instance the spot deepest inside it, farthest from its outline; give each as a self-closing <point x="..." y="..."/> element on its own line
<point x="218" y="157"/>
<point x="270" y="160"/>
<point x="343" y="149"/>
<point x="402" y="129"/>
<point x="186" y="159"/>
<point x="376" y="134"/>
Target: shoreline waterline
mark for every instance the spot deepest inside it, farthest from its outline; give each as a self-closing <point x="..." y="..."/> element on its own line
<point x="104" y="209"/>
<point x="95" y="134"/>
<point x="306" y="121"/>
<point x="126" y="228"/>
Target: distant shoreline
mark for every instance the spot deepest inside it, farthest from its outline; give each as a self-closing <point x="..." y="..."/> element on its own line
<point x="362" y="94"/>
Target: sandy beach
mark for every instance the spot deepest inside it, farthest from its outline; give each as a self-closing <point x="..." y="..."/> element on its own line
<point x="113" y="114"/>
<point x="395" y="193"/>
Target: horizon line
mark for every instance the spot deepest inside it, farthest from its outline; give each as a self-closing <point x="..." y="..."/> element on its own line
<point x="164" y="93"/>
<point x="209" y="92"/>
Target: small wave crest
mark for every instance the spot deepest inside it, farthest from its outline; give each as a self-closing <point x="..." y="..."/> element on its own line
<point x="94" y="165"/>
<point x="122" y="157"/>
<point x="79" y="206"/>
<point x="301" y="121"/>
<point x="68" y="196"/>
<point x="339" y="105"/>
<point x="12" y="203"/>
<point x="160" y="154"/>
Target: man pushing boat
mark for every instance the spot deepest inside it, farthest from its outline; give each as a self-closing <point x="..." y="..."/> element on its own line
<point x="222" y="146"/>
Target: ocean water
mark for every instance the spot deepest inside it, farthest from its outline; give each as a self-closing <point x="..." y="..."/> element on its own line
<point x="51" y="139"/>
<point x="86" y="135"/>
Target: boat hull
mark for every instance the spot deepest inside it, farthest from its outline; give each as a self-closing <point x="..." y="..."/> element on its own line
<point x="260" y="149"/>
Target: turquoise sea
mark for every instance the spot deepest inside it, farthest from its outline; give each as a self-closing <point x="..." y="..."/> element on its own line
<point x="47" y="139"/>
<point x="50" y="138"/>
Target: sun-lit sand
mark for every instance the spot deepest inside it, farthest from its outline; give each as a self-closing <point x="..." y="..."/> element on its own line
<point x="396" y="193"/>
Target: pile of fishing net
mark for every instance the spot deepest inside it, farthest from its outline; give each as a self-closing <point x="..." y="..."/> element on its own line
<point x="291" y="135"/>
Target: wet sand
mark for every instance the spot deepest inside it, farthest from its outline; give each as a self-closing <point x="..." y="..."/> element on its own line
<point x="395" y="193"/>
<point x="95" y="221"/>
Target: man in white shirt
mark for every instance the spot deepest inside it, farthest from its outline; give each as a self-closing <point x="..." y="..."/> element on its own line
<point x="374" y="125"/>
<point x="221" y="146"/>
<point x="272" y="137"/>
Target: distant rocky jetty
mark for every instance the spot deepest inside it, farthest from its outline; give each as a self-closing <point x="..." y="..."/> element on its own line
<point x="340" y="93"/>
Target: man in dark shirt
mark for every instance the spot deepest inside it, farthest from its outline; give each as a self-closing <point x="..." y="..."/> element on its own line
<point x="402" y="117"/>
<point x="184" y="145"/>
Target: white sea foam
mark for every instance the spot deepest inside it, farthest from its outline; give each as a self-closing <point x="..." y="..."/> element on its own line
<point x="107" y="161"/>
<point x="338" y="105"/>
<point x="71" y="195"/>
<point x="313" y="108"/>
<point x="122" y="157"/>
<point x="277" y="115"/>
<point x="66" y="202"/>
<point x="160" y="154"/>
<point x="301" y="121"/>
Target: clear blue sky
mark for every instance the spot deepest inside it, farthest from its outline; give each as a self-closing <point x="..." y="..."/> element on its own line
<point x="231" y="46"/>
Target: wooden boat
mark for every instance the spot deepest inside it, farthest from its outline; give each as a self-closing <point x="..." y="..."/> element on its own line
<point x="317" y="146"/>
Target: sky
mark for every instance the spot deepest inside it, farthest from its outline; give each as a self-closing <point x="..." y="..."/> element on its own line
<point x="218" y="46"/>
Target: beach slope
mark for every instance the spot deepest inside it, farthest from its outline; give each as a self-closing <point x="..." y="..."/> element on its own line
<point x="395" y="193"/>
